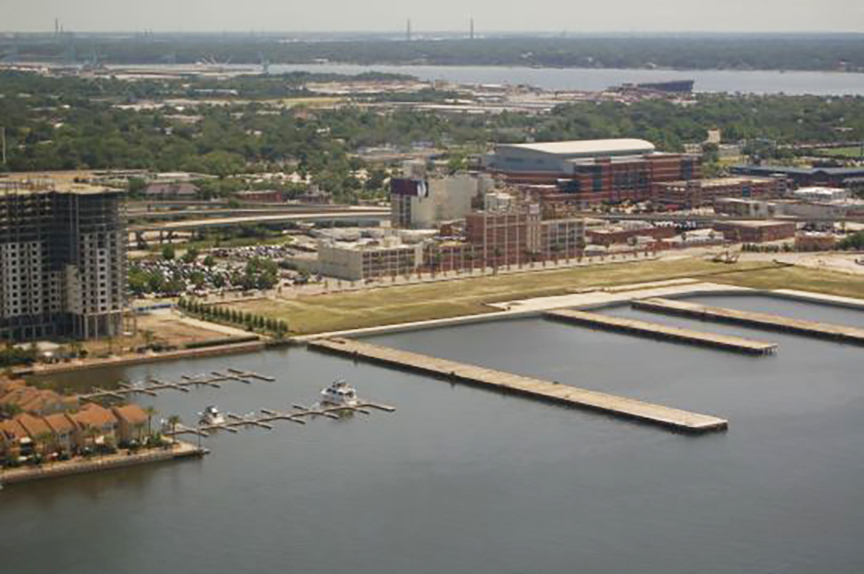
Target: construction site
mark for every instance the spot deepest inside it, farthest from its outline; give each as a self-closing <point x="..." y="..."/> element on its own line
<point x="62" y="261"/>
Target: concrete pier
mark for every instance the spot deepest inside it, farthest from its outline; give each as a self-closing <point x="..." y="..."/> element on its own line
<point x="663" y="332"/>
<point x="750" y="319"/>
<point x="666" y="417"/>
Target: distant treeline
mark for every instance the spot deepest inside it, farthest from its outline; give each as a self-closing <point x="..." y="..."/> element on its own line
<point x="69" y="123"/>
<point x="737" y="52"/>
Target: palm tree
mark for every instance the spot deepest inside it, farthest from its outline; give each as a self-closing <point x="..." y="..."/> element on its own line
<point x="150" y="413"/>
<point x="91" y="433"/>
<point x="45" y="441"/>
<point x="174" y="420"/>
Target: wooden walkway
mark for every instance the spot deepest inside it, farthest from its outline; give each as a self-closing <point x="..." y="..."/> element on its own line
<point x="750" y="319"/>
<point x="267" y="416"/>
<point x="552" y="391"/>
<point x="665" y="332"/>
<point x="152" y="385"/>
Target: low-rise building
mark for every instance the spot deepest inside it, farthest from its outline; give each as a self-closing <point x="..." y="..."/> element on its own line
<point x="820" y="194"/>
<point x="96" y="426"/>
<point x="815" y="241"/>
<point x="368" y="258"/>
<point x="705" y="192"/>
<point x="171" y="190"/>
<point x="620" y="234"/>
<point x="64" y="431"/>
<point x="756" y="231"/>
<point x="132" y="423"/>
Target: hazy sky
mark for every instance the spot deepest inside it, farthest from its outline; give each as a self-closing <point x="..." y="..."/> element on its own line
<point x="383" y="15"/>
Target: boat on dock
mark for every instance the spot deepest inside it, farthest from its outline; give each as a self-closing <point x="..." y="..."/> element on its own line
<point x="211" y="416"/>
<point x="340" y="394"/>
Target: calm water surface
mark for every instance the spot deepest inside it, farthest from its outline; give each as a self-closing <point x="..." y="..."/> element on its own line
<point x="748" y="82"/>
<point x="465" y="480"/>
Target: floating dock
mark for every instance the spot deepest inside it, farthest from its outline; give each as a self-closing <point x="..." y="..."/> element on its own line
<point x="666" y="417"/>
<point x="750" y="319"/>
<point x="663" y="332"/>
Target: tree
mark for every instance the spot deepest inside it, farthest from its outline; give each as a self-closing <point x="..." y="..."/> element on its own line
<point x="174" y="420"/>
<point x="168" y="252"/>
<point x="191" y="255"/>
<point x="151" y="412"/>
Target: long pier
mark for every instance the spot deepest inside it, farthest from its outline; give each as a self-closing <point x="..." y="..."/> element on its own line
<point x="666" y="417"/>
<point x="663" y="332"/>
<point x="751" y="319"/>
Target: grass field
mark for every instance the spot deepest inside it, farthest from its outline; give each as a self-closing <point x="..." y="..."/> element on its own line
<point x="848" y="152"/>
<point x="386" y="306"/>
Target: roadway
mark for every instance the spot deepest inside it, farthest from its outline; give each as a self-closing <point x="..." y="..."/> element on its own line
<point x="214" y="222"/>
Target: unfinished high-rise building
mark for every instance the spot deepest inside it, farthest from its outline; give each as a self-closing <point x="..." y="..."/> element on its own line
<point x="62" y="261"/>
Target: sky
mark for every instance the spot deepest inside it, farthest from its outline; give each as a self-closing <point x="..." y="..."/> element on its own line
<point x="573" y="16"/>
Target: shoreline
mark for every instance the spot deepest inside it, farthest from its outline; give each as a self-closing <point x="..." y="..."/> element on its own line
<point x="180" y="451"/>
<point x="58" y="368"/>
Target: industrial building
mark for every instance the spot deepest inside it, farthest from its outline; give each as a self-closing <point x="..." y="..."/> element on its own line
<point x="592" y="171"/>
<point x="62" y="261"/>
<point x="847" y="177"/>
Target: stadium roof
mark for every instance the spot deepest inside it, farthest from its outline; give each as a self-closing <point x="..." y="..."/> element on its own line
<point x="588" y="147"/>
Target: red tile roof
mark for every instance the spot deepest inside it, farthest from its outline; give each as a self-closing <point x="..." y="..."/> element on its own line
<point x="60" y="423"/>
<point x="94" y="416"/>
<point x="131" y="414"/>
<point x="34" y="426"/>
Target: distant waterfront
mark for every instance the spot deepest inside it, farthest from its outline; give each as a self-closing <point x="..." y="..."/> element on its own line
<point x="590" y="79"/>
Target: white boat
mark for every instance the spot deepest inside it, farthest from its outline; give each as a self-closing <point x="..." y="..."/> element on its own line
<point x="211" y="416"/>
<point x="340" y="393"/>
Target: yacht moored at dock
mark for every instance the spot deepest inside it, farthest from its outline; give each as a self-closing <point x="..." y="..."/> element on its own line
<point x="340" y="393"/>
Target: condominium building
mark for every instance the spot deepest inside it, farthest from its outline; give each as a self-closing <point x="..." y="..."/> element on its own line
<point x="62" y="261"/>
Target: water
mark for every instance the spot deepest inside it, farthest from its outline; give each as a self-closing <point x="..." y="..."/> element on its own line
<point x="465" y="480"/>
<point x="591" y="79"/>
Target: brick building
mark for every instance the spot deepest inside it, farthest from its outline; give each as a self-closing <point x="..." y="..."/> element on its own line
<point x="699" y="193"/>
<point x="756" y="231"/>
<point x="592" y="171"/>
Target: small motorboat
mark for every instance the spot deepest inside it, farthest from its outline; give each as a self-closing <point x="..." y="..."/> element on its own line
<point x="340" y="393"/>
<point x="211" y="416"/>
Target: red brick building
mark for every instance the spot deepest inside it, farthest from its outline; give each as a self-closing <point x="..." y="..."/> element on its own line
<point x="689" y="194"/>
<point x="595" y="171"/>
<point x="756" y="231"/>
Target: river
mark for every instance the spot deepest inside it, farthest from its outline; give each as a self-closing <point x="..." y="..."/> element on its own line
<point x="591" y="79"/>
<point x="464" y="480"/>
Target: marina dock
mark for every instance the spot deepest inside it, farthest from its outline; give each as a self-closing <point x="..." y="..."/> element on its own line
<point x="267" y="416"/>
<point x="662" y="332"/>
<point x="670" y="418"/>
<point x="152" y="386"/>
<point x="748" y="318"/>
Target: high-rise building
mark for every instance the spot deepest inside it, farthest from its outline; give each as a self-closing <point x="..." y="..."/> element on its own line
<point x="62" y="261"/>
